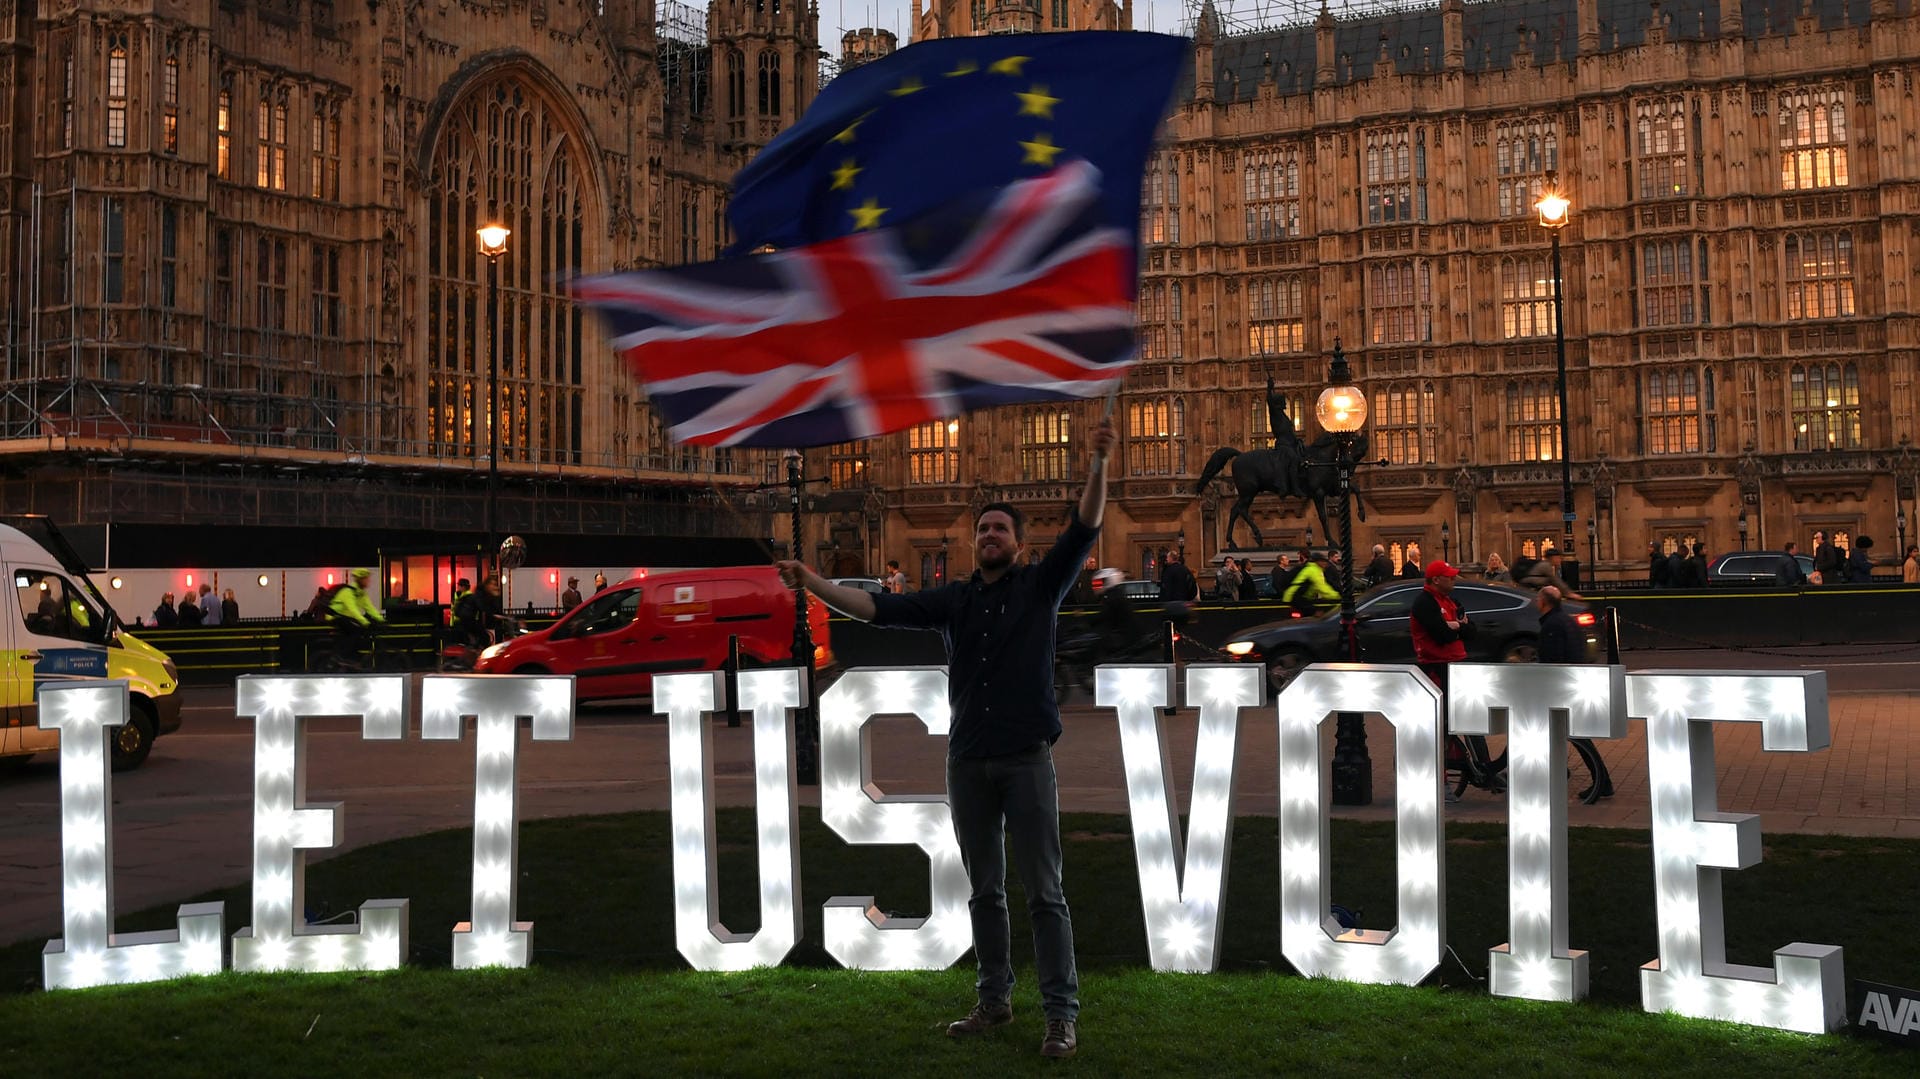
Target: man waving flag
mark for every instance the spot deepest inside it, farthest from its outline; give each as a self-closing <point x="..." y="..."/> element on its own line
<point x="951" y="236"/>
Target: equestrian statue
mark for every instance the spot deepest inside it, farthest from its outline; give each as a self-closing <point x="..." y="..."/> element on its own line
<point x="1292" y="468"/>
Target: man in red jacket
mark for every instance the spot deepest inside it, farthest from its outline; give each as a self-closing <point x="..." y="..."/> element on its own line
<point x="1439" y="626"/>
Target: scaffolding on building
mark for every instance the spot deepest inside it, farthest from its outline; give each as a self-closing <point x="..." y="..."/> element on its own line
<point x="682" y="56"/>
<point x="1253" y="16"/>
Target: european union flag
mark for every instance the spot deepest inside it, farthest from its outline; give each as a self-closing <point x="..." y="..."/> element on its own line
<point x="942" y="119"/>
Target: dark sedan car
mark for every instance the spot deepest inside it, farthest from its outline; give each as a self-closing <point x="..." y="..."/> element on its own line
<point x="1506" y="622"/>
<point x="1755" y="567"/>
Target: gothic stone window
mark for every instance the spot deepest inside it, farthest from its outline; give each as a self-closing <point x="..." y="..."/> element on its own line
<point x="1819" y="274"/>
<point x="1667" y="277"/>
<point x="170" y="104"/>
<point x="506" y="156"/>
<point x="1276" y="315"/>
<point x="1156" y="437"/>
<point x="1272" y="194"/>
<point x="223" y="128"/>
<point x="1393" y="185"/>
<point x="1660" y="143"/>
<point x="1403" y="428"/>
<point x="1160" y="215"/>
<point x="1533" y="420"/>
<point x="1813" y="138"/>
<point x="847" y="463"/>
<point x="1161" y="321"/>
<point x="769" y="98"/>
<point x="1526" y="296"/>
<point x="1679" y="409"/>
<point x="1044" y="438"/>
<point x="933" y="453"/>
<point x="1824" y="402"/>
<point x="1400" y="301"/>
<point x="1524" y="152"/>
<point x="117" y="88"/>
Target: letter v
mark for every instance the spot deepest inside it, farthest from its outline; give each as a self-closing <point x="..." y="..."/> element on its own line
<point x="1181" y="896"/>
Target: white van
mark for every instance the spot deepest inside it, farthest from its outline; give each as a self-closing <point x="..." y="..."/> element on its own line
<point x="60" y="628"/>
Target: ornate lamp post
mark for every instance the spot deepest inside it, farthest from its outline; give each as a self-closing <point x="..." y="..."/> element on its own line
<point x="1553" y="207"/>
<point x="1342" y="412"/>
<point x="1446" y="541"/>
<point x="493" y="244"/>
<point x="1900" y="522"/>
<point x="1743" y="530"/>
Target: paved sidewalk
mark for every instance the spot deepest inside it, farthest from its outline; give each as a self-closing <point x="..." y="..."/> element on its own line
<point x="183" y="828"/>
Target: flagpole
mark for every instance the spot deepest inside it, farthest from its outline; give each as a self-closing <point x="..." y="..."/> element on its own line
<point x="806" y="718"/>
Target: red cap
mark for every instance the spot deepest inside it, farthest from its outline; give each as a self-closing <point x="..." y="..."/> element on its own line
<point x="1438" y="568"/>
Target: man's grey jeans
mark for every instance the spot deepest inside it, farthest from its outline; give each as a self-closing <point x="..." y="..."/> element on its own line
<point x="1021" y="789"/>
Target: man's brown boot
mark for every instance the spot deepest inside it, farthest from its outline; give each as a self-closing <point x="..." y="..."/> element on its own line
<point x="1061" y="1040"/>
<point x="982" y="1018"/>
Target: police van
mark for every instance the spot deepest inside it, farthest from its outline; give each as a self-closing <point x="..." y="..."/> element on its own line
<point x="60" y="629"/>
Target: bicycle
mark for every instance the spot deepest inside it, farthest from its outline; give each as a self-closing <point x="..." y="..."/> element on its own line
<point x="1470" y="763"/>
<point x="371" y="654"/>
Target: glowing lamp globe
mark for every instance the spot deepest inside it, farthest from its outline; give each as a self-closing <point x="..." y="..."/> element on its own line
<point x="1341" y="409"/>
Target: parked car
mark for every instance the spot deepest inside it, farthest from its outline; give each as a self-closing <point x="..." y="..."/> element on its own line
<point x="1754" y="567"/>
<point x="1138" y="590"/>
<point x="864" y="584"/>
<point x="617" y="640"/>
<point x="1507" y="624"/>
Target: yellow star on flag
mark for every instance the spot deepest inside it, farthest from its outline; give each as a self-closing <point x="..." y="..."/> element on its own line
<point x="1008" y="65"/>
<point x="1035" y="102"/>
<point x="910" y="85"/>
<point x="843" y="176"/>
<point x="847" y="135"/>
<point x="964" y="67"/>
<point x="867" y="214"/>
<point x="1041" y="151"/>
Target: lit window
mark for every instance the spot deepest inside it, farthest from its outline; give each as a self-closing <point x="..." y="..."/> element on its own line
<point x="1819" y="274"/>
<point x="1526" y="296"/>
<point x="1533" y="421"/>
<point x="1271" y="195"/>
<point x="1813" y="139"/>
<point x="1043" y="445"/>
<point x="1524" y="152"/>
<point x="1403" y="423"/>
<point x="1824" y="406"/>
<point x="1400" y="301"/>
<point x="117" y="90"/>
<point x="1660" y="147"/>
<point x="1156" y="437"/>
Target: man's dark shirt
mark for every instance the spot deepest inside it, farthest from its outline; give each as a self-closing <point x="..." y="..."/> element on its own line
<point x="1659" y="573"/>
<point x="999" y="640"/>
<point x="1176" y="582"/>
<point x="1559" y="643"/>
<point x="1380" y="569"/>
<point x="1789" y="572"/>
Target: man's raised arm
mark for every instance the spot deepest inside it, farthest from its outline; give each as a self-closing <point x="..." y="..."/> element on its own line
<point x="853" y="602"/>
<point x="1093" y="499"/>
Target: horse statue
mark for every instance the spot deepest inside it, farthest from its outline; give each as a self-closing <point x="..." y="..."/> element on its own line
<point x="1291" y="469"/>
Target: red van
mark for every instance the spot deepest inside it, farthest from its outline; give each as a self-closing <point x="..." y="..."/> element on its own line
<point x="616" y="641"/>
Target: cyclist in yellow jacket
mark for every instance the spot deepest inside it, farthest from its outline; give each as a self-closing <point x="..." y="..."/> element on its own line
<point x="1309" y="592"/>
<point x="353" y="614"/>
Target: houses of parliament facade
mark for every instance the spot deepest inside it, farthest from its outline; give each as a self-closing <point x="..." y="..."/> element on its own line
<point x="243" y="287"/>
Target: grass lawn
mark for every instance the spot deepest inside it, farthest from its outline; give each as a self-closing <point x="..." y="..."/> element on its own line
<point x="609" y="995"/>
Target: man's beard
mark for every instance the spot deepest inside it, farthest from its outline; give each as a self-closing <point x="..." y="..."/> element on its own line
<point x="1001" y="558"/>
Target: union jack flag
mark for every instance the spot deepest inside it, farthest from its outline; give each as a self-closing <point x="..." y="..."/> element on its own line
<point x="1018" y="295"/>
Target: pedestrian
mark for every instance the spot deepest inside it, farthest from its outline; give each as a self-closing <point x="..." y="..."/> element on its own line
<point x="1789" y="574"/>
<point x="1497" y="572"/>
<point x="1439" y="625"/>
<point x="1249" y="587"/>
<point x="1677" y="566"/>
<point x="1826" y="560"/>
<point x="229" y="608"/>
<point x="190" y="613"/>
<point x="1226" y="583"/>
<point x="1860" y="561"/>
<point x="1659" y="570"/>
<point x="1176" y="581"/>
<point x="1910" y="569"/>
<point x="1696" y="567"/>
<point x="1380" y="570"/>
<point x="896" y="581"/>
<point x="1282" y="575"/>
<point x="999" y="628"/>
<point x="1410" y="563"/>
<point x="1559" y="642"/>
<point x="1546" y="573"/>
<point x="317" y="608"/>
<point x="1309" y="593"/>
<point x="599" y="583"/>
<point x="570" y="598"/>
<point x="210" y="610"/>
<point x="164" y="615"/>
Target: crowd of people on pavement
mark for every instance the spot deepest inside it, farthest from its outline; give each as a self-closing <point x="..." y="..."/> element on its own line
<point x="197" y="608"/>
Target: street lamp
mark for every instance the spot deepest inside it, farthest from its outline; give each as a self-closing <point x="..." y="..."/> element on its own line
<point x="940" y="571"/>
<point x="1446" y="542"/>
<point x="1743" y="529"/>
<point x="1900" y="522"/>
<point x="1342" y="412"/>
<point x="493" y="244"/>
<point x="1554" y="207"/>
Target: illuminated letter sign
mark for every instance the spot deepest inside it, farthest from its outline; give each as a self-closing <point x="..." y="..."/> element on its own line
<point x="1180" y="896"/>
<point x="89" y="952"/>
<point x="493" y="937"/>
<point x="1309" y="937"/>
<point x="857" y="933"/>
<point x="1693" y="841"/>
<point x="1538" y="707"/>
<point x="685" y="699"/>
<point x="284" y="826"/>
